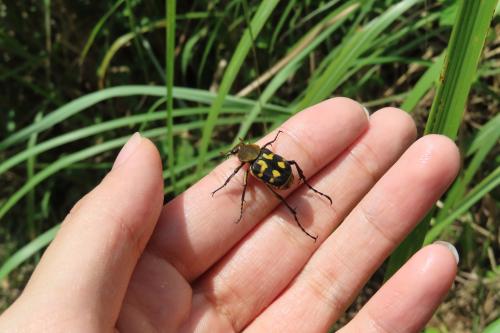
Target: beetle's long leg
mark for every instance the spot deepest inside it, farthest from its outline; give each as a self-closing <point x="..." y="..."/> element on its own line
<point x="292" y="211"/>
<point x="245" y="180"/>
<point x="229" y="178"/>
<point x="303" y="178"/>
<point x="273" y="140"/>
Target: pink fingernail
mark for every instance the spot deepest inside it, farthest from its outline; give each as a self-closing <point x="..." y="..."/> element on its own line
<point x="128" y="149"/>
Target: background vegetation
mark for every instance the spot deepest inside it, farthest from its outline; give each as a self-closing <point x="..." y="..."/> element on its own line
<point x="78" y="77"/>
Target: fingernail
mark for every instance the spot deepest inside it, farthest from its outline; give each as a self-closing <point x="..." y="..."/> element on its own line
<point x="450" y="247"/>
<point x="366" y="112"/>
<point x="128" y="149"/>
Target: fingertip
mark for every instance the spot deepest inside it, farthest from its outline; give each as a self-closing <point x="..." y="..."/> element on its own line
<point x="143" y="166"/>
<point x="437" y="264"/>
<point x="437" y="160"/>
<point x="337" y="117"/>
<point x="127" y="150"/>
<point x="402" y="119"/>
<point x="107" y="231"/>
<point x="452" y="249"/>
<point x="447" y="148"/>
<point x="344" y="103"/>
<point x="407" y="301"/>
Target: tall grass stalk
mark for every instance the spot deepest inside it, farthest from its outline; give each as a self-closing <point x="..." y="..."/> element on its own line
<point x="457" y="75"/>
<point x="263" y="13"/>
<point x="170" y="62"/>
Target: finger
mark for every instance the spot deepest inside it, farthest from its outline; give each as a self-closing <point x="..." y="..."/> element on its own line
<point x="89" y="263"/>
<point x="263" y="264"/>
<point x="196" y="229"/>
<point x="335" y="274"/>
<point x="157" y="298"/>
<point x="408" y="300"/>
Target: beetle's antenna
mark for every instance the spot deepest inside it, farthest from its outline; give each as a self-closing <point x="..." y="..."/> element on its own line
<point x="226" y="155"/>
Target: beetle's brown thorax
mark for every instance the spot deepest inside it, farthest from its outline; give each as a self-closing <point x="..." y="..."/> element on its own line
<point x="248" y="152"/>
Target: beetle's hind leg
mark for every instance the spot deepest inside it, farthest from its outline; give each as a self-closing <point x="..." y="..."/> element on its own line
<point x="303" y="178"/>
<point x="229" y="178"/>
<point x="245" y="180"/>
<point x="293" y="211"/>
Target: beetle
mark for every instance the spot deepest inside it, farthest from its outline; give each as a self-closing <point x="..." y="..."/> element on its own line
<point x="271" y="169"/>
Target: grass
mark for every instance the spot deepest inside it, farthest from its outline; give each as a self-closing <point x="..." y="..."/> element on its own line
<point x="459" y="70"/>
<point x="170" y="61"/>
<point x="241" y="68"/>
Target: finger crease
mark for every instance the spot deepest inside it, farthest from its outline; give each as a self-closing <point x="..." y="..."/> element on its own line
<point x="362" y="153"/>
<point x="372" y="221"/>
<point x="379" y="328"/>
<point x="328" y="290"/>
<point x="223" y="312"/>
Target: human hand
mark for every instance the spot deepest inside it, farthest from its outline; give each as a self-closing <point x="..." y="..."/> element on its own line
<point x="121" y="261"/>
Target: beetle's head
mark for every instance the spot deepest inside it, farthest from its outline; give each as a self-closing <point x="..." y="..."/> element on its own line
<point x="246" y="152"/>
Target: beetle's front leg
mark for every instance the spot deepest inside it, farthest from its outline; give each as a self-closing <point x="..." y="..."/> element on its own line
<point x="229" y="178"/>
<point x="245" y="180"/>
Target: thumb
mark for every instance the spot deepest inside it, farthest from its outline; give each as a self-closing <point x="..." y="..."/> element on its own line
<point x="83" y="276"/>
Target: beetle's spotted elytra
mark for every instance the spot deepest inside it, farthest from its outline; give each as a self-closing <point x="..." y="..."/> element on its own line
<point x="271" y="169"/>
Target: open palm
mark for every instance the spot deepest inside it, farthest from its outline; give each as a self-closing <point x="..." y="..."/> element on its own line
<point x="122" y="261"/>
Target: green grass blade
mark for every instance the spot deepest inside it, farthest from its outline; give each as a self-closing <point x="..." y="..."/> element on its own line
<point x="279" y="26"/>
<point x="76" y="106"/>
<point x="307" y="44"/>
<point x="267" y="94"/>
<point x="351" y="49"/>
<point x="483" y="143"/>
<point x="121" y="42"/>
<point x="107" y="126"/>
<point x="153" y="108"/>
<point x="493" y="327"/>
<point x="169" y="73"/>
<point x="460" y="66"/>
<point x="213" y="37"/>
<point x="68" y="160"/>
<point x="187" y="52"/>
<point x="476" y="194"/>
<point x="27" y="251"/>
<point x="294" y="59"/>
<point x="487" y="136"/>
<point x="84" y="102"/>
<point x="138" y="40"/>
<point x="97" y="28"/>
<point x="30" y="171"/>
<point x="423" y="85"/>
<point x="263" y="13"/>
<point x="458" y="73"/>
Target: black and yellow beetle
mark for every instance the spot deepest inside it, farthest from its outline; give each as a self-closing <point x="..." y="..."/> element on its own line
<point x="271" y="169"/>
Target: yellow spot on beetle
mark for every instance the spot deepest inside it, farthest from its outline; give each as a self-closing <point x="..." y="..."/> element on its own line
<point x="268" y="156"/>
<point x="281" y="164"/>
<point x="276" y="173"/>
<point x="271" y="180"/>
<point x="260" y="175"/>
<point x="263" y="165"/>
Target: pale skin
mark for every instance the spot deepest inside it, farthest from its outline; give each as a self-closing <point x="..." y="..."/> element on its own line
<point x="123" y="261"/>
